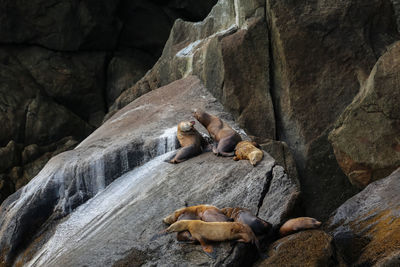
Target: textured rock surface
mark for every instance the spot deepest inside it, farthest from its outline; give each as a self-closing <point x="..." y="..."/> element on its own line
<point x="316" y="74"/>
<point x="229" y="53"/>
<point x="366" y="227"/>
<point x="366" y="137"/>
<point x="64" y="62"/>
<point x="148" y="193"/>
<point x="309" y="248"/>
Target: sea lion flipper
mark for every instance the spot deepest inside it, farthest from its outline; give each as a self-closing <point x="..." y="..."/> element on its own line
<point x="209" y="250"/>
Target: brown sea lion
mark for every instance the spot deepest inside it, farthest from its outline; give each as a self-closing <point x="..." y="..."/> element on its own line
<point x="220" y="132"/>
<point x="248" y="150"/>
<point x="190" y="140"/>
<point x="261" y="227"/>
<point x="207" y="213"/>
<point x="258" y="225"/>
<point x="297" y="224"/>
<point x="214" y="231"/>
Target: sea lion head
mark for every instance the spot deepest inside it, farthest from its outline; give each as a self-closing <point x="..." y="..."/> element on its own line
<point x="186" y="126"/>
<point x="308" y="223"/>
<point x="255" y="157"/>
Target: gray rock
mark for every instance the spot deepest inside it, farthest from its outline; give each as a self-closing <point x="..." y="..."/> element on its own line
<point x="365" y="228"/>
<point x="128" y="211"/>
<point x="228" y="51"/>
<point x="316" y="74"/>
<point x="366" y="136"/>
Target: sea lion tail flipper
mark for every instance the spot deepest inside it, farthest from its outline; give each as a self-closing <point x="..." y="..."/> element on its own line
<point x="159" y="234"/>
<point x="170" y="158"/>
<point x="209" y="250"/>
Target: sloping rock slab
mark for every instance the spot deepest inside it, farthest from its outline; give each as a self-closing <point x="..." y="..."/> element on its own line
<point x="366" y="227"/>
<point x="121" y="219"/>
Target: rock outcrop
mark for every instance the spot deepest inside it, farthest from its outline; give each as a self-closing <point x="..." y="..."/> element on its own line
<point x="366" y="227"/>
<point x="228" y="51"/>
<point x="309" y="248"/>
<point x="103" y="179"/>
<point x="316" y="74"/>
<point x="63" y="63"/>
<point x="366" y="137"/>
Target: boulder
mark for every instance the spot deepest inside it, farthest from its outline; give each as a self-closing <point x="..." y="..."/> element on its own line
<point x="366" y="136"/>
<point x="308" y="248"/>
<point x="366" y="227"/>
<point x="316" y="74"/>
<point x="116" y="188"/>
<point x="228" y="51"/>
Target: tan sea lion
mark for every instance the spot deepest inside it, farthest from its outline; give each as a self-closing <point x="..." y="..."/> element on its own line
<point x="205" y="213"/>
<point x="190" y="140"/>
<point x="214" y="231"/>
<point x="248" y="150"/>
<point x="220" y="132"/>
<point x="297" y="224"/>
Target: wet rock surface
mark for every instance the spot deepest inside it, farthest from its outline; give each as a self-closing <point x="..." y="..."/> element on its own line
<point x="148" y="193"/>
<point x="366" y="227"/>
<point x="366" y="136"/>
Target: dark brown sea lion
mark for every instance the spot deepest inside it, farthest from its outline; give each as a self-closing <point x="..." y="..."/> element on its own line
<point x="220" y="132"/>
<point x="248" y="150"/>
<point x="190" y="140"/>
<point x="261" y="227"/>
<point x="258" y="225"/>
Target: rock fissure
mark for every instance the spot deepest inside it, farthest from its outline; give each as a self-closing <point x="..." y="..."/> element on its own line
<point x="267" y="185"/>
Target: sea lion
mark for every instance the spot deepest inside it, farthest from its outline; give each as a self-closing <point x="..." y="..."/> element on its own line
<point x="190" y="140"/>
<point x="258" y="225"/>
<point x="214" y="231"/>
<point x="207" y="213"/>
<point x="248" y="150"/>
<point x="297" y="224"/>
<point x="261" y="227"/>
<point x="220" y="132"/>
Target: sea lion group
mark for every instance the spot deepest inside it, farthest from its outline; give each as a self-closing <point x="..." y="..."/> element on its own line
<point x="227" y="142"/>
<point x="207" y="223"/>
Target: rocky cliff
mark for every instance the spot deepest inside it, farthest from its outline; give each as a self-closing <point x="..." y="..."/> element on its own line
<point x="316" y="84"/>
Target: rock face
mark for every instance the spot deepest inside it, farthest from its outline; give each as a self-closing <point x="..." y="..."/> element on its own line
<point x="228" y="51"/>
<point x="309" y="248"/>
<point x="366" y="227"/>
<point x="316" y="74"/>
<point x="139" y="198"/>
<point x="63" y="63"/>
<point x="366" y="136"/>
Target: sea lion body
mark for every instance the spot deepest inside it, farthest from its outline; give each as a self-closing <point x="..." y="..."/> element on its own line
<point x="190" y="140"/>
<point x="295" y="225"/>
<point x="204" y="232"/>
<point x="248" y="151"/>
<point x="207" y="213"/>
<point x="258" y="225"/>
<point x="220" y="132"/>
